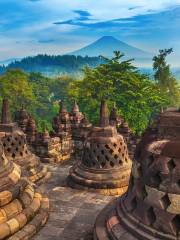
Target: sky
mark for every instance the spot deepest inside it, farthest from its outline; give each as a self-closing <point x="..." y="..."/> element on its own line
<point x="31" y="27"/>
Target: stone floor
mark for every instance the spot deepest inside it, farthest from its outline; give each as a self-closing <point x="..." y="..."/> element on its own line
<point x="72" y="212"/>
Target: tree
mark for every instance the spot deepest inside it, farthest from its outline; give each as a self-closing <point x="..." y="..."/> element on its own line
<point x="136" y="96"/>
<point x="163" y="76"/>
<point x="15" y="86"/>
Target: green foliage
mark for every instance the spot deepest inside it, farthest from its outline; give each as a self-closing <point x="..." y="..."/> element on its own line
<point x="15" y="86"/>
<point x="168" y="85"/>
<point x="38" y="94"/>
<point x="53" y="65"/>
<point x="136" y="96"/>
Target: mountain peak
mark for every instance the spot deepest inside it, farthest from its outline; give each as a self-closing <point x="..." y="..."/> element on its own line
<point x="106" y="45"/>
<point x="107" y="38"/>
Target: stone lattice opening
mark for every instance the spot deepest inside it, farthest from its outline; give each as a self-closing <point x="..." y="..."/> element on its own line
<point x="176" y="224"/>
<point x="178" y="183"/>
<point x="165" y="201"/>
<point x="133" y="204"/>
<point x="156" y="180"/>
<point x="143" y="192"/>
<point x="150" y="160"/>
<point x="171" y="165"/>
<point x="151" y="217"/>
<point x="112" y="164"/>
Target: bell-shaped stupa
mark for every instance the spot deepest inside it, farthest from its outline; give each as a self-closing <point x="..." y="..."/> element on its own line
<point x="150" y="210"/>
<point x="23" y="210"/>
<point x="105" y="165"/>
<point x="16" y="148"/>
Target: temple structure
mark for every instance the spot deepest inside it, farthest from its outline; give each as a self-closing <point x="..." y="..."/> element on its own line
<point x="151" y="207"/>
<point x="129" y="138"/>
<point x="168" y="124"/>
<point x="17" y="150"/>
<point x="22" y="118"/>
<point x="75" y="116"/>
<point x="114" y="118"/>
<point x="105" y="165"/>
<point x="79" y="137"/>
<point x="62" y="129"/>
<point x="48" y="148"/>
<point x="6" y="123"/>
<point x="31" y="131"/>
<point x="124" y="130"/>
<point x="23" y="210"/>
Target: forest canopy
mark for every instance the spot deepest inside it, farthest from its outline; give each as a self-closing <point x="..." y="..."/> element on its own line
<point x="138" y="97"/>
<point x="53" y="65"/>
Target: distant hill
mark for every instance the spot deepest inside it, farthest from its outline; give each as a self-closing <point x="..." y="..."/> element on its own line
<point x="53" y="65"/>
<point x="8" y="61"/>
<point x="105" y="46"/>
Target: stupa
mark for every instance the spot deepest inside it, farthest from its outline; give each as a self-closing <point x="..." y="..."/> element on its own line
<point x="124" y="130"/>
<point x="31" y="130"/>
<point x="76" y="116"/>
<point x="23" y="210"/>
<point x="80" y="136"/>
<point x="48" y="148"/>
<point x="6" y="123"/>
<point x="17" y="149"/>
<point x="22" y="118"/>
<point x="151" y="207"/>
<point x="105" y="165"/>
<point x="114" y="118"/>
<point x="62" y="129"/>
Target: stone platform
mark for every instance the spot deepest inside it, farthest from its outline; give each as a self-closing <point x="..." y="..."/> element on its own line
<point x="72" y="212"/>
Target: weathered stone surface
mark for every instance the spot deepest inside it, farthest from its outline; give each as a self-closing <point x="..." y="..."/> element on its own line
<point x="6" y="116"/>
<point x="6" y="123"/>
<point x="79" y="136"/>
<point x="72" y="212"/>
<point x="20" y="203"/>
<point x="31" y="130"/>
<point x="150" y="208"/>
<point x="22" y="118"/>
<point x="124" y="130"/>
<point x="62" y="130"/>
<point x="76" y="116"/>
<point x="48" y="148"/>
<point x="17" y="150"/>
<point x="105" y="165"/>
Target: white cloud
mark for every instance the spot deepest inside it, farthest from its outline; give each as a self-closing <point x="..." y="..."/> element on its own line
<point x="37" y="22"/>
<point x="105" y="9"/>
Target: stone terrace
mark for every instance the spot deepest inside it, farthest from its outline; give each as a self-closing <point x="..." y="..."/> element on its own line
<point x="72" y="212"/>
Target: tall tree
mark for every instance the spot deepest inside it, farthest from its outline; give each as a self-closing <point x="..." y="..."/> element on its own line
<point x="163" y="76"/>
<point x="136" y="96"/>
<point x="15" y="86"/>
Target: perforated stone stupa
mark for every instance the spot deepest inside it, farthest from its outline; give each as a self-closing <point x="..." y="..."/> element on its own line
<point x="124" y="130"/>
<point x="105" y="165"/>
<point x="17" y="149"/>
<point x="151" y="207"/>
<point x="23" y="210"/>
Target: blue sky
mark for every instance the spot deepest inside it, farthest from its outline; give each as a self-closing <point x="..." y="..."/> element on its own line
<point x="30" y="27"/>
